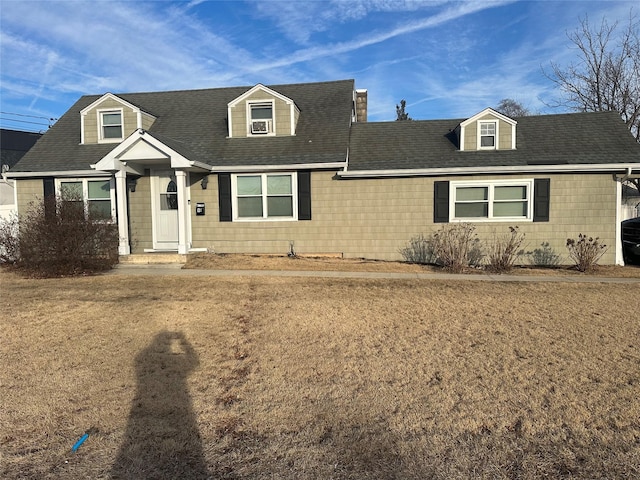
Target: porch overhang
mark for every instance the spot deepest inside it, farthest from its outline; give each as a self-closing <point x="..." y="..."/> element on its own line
<point x="142" y="150"/>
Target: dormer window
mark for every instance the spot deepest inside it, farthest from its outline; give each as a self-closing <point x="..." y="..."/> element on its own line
<point x="110" y="125"/>
<point x="487" y="130"/>
<point x="261" y="118"/>
<point x="261" y="112"/>
<point x="487" y="135"/>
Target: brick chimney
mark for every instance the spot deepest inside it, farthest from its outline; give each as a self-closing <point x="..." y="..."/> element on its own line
<point x="361" y="105"/>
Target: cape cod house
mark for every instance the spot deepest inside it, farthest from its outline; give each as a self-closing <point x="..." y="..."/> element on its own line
<point x="297" y="168"/>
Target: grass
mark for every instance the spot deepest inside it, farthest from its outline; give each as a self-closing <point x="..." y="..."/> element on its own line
<point x="276" y="262"/>
<point x="255" y="378"/>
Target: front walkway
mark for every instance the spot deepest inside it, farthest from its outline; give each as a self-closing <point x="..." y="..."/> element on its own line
<point x="176" y="269"/>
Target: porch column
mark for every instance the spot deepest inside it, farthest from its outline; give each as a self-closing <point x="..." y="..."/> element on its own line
<point x="123" y="218"/>
<point x="619" y="257"/>
<point x="183" y="211"/>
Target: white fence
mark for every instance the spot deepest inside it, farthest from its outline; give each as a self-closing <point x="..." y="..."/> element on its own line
<point x="6" y="200"/>
<point x="630" y="211"/>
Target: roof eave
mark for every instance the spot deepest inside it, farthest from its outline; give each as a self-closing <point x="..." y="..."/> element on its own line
<point x="443" y="171"/>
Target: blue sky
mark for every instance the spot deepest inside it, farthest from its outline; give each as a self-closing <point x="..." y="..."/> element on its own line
<point x="447" y="59"/>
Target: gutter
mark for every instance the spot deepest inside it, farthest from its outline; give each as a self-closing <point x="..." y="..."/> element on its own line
<point x="625" y="177"/>
<point x="262" y="168"/>
<point x="51" y="173"/>
<point x="425" y="172"/>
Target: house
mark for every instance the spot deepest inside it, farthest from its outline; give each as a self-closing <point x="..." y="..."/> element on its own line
<point x="630" y="202"/>
<point x="297" y="168"/>
<point x="13" y="145"/>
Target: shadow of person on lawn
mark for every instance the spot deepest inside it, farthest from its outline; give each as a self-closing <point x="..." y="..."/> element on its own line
<point x="162" y="438"/>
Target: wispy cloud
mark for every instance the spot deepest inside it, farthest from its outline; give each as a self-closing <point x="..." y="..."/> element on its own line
<point x="450" y="14"/>
<point x="443" y="57"/>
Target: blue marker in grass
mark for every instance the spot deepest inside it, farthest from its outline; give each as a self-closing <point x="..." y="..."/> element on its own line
<point x="83" y="438"/>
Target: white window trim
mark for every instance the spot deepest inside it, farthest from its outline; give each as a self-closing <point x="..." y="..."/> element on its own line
<point x="253" y="103"/>
<point x="496" y="134"/>
<point x="85" y="190"/>
<point x="491" y="184"/>
<point x="100" y="113"/>
<point x="264" y="218"/>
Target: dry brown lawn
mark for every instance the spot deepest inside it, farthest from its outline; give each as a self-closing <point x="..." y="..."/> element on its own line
<point x="302" y="263"/>
<point x="267" y="377"/>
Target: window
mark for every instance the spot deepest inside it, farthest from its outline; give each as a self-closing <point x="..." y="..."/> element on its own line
<point x="495" y="201"/>
<point x="261" y="118"/>
<point x="267" y="196"/>
<point x="169" y="198"/>
<point x="487" y="135"/>
<point x="111" y="125"/>
<point x="94" y="195"/>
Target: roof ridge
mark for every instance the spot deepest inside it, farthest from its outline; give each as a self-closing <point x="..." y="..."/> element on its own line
<point x="274" y="86"/>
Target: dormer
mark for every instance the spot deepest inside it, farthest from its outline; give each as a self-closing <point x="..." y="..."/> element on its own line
<point x="262" y="112"/>
<point x="110" y="119"/>
<point x="487" y="130"/>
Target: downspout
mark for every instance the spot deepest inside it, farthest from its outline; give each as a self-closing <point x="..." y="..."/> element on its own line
<point x="346" y="161"/>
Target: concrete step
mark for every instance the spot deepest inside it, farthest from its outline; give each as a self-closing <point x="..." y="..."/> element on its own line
<point x="160" y="258"/>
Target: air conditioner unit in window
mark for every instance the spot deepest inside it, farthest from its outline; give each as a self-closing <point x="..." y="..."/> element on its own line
<point x="260" y="126"/>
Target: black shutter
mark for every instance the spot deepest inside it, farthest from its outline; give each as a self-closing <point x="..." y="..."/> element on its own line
<point x="49" y="188"/>
<point x="541" y="199"/>
<point x="224" y="197"/>
<point x="441" y="202"/>
<point x="304" y="195"/>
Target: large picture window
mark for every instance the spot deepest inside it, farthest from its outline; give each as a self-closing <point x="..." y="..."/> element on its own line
<point x="96" y="195"/>
<point x="266" y="196"/>
<point x="496" y="201"/>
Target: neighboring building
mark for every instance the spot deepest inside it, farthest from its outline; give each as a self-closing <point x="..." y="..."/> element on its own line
<point x="297" y="168"/>
<point x="630" y="202"/>
<point x="13" y="145"/>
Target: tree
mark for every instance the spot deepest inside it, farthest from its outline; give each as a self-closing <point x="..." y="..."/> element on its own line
<point x="606" y="75"/>
<point x="512" y="108"/>
<point x="402" y="115"/>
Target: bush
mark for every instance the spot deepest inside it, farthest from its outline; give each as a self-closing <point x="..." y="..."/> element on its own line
<point x="456" y="246"/>
<point x="545" y="256"/>
<point x="504" y="251"/>
<point x="56" y="237"/>
<point x="475" y="255"/>
<point x="585" y="252"/>
<point x="419" y="250"/>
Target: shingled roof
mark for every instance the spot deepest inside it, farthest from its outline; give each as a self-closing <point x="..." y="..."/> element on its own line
<point x="195" y="121"/>
<point x="14" y="144"/>
<point x="566" y="139"/>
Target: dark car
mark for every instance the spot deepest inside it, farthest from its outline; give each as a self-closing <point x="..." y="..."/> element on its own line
<point x="631" y="241"/>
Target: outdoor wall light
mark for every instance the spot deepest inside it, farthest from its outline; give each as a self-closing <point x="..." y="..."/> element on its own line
<point x="131" y="183"/>
<point x="204" y="182"/>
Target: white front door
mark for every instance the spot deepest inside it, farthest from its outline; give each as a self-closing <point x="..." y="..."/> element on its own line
<point x="164" y="202"/>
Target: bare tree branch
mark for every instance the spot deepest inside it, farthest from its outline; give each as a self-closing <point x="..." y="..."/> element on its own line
<point x="512" y="108"/>
<point x="606" y="74"/>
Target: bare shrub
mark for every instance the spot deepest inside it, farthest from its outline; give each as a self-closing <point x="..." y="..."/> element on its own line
<point x="585" y="252"/>
<point x="58" y="237"/>
<point x="545" y="256"/>
<point x="9" y="242"/>
<point x="453" y="244"/>
<point x="476" y="255"/>
<point x="504" y="250"/>
<point x="419" y="250"/>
